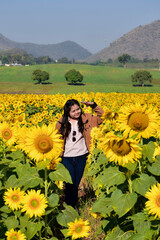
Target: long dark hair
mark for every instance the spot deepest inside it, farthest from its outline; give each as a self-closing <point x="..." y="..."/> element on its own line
<point x="65" y="124"/>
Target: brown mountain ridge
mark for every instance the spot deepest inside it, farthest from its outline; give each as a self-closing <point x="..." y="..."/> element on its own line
<point x="141" y="42"/>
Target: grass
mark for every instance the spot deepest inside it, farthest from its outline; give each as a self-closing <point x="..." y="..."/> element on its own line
<point x="86" y="199"/>
<point x="96" y="79"/>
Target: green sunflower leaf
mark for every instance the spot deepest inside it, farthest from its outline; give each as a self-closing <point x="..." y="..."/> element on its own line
<point x="67" y="215"/>
<point x="122" y="203"/>
<point x="115" y="234"/>
<point x="60" y="174"/>
<point x="11" y="222"/>
<point x="32" y="229"/>
<point x="155" y="167"/>
<point x="137" y="237"/>
<point x="53" y="200"/>
<point x="112" y="176"/>
<point x="148" y="150"/>
<point x="143" y="183"/>
<point x="102" y="206"/>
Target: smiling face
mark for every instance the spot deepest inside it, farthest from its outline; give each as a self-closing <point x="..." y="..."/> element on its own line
<point x="75" y="112"/>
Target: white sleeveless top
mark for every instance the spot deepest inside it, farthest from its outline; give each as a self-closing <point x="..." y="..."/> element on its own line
<point x="77" y="147"/>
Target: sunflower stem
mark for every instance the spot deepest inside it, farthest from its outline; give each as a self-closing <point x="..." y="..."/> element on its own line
<point x="130" y="185"/>
<point x="140" y="167"/>
<point x="46" y="194"/>
<point x="40" y="234"/>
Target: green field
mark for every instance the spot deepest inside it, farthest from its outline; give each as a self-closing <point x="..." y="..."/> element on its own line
<point x="96" y="79"/>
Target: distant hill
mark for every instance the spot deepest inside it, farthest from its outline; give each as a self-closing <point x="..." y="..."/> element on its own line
<point x="67" y="49"/>
<point x="13" y="51"/>
<point x="142" y="42"/>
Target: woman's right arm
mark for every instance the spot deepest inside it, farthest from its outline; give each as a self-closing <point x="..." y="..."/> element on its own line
<point x="58" y="126"/>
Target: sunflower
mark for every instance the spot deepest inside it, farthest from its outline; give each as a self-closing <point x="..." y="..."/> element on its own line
<point x="95" y="215"/>
<point x="43" y="143"/>
<point x="109" y="115"/>
<point x="54" y="162"/>
<point x="95" y="134"/>
<point x="138" y="119"/>
<point x="13" y="198"/>
<point x="7" y="133"/>
<point x="153" y="203"/>
<point x="119" y="149"/>
<point x="21" y="118"/>
<point x="34" y="203"/>
<point x="60" y="184"/>
<point x="15" y="235"/>
<point x="21" y="138"/>
<point x="78" y="229"/>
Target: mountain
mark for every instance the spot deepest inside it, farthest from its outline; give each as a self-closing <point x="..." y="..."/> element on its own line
<point x="141" y="42"/>
<point x="67" y="49"/>
<point x="13" y="51"/>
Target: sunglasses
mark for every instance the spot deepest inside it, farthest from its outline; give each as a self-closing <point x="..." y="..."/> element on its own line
<point x="73" y="136"/>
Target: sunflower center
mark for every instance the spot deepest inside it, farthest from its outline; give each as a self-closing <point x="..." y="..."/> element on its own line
<point x="15" y="198"/>
<point x="158" y="200"/>
<point x="14" y="237"/>
<point x="138" y="121"/>
<point x="7" y="134"/>
<point x="34" y="203"/>
<point x="109" y="115"/>
<point x="78" y="229"/>
<point x="44" y="143"/>
<point x="121" y="148"/>
<point x="20" y="118"/>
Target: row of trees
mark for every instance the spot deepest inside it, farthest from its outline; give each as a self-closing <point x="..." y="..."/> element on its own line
<point x="75" y="77"/>
<point x="124" y="59"/>
<point x="29" y="59"/>
<point x="25" y="58"/>
<point x="72" y="76"/>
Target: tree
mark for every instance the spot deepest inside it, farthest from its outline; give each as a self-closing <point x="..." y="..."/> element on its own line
<point x="124" y="59"/>
<point x="5" y="60"/>
<point x="73" y="76"/>
<point x="141" y="76"/>
<point x="64" y="60"/>
<point x="44" y="60"/>
<point x="40" y="76"/>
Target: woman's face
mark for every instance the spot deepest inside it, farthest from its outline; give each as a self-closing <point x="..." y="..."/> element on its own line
<point x="75" y="112"/>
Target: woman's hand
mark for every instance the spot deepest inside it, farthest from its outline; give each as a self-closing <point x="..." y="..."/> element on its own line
<point x="87" y="103"/>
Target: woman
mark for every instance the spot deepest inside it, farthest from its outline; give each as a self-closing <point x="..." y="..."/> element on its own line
<point x="75" y="128"/>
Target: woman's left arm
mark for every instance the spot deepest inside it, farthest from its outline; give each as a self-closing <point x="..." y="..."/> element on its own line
<point x="99" y="111"/>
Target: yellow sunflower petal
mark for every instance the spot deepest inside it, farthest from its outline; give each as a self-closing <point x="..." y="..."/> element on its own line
<point x="34" y="203"/>
<point x="13" y="198"/>
<point x="78" y="229"/>
<point x="15" y="235"/>
<point x="153" y="203"/>
<point x="119" y="149"/>
<point x="42" y="143"/>
<point x="137" y="119"/>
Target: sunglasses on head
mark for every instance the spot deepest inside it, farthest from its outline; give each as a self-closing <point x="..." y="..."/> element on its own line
<point x="73" y="136"/>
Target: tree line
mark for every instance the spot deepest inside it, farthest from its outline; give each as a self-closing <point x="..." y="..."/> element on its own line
<point x="75" y="77"/>
<point x="28" y="59"/>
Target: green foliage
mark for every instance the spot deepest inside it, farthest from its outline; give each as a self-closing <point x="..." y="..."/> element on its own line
<point x="22" y="57"/>
<point x="121" y="193"/>
<point x="124" y="58"/>
<point x="64" y="60"/>
<point x="141" y="76"/>
<point x="40" y="76"/>
<point x="73" y="76"/>
<point x="16" y="170"/>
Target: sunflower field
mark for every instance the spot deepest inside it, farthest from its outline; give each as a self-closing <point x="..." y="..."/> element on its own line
<point x="123" y="168"/>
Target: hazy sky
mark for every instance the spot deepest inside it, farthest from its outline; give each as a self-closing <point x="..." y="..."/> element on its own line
<point x="93" y="24"/>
